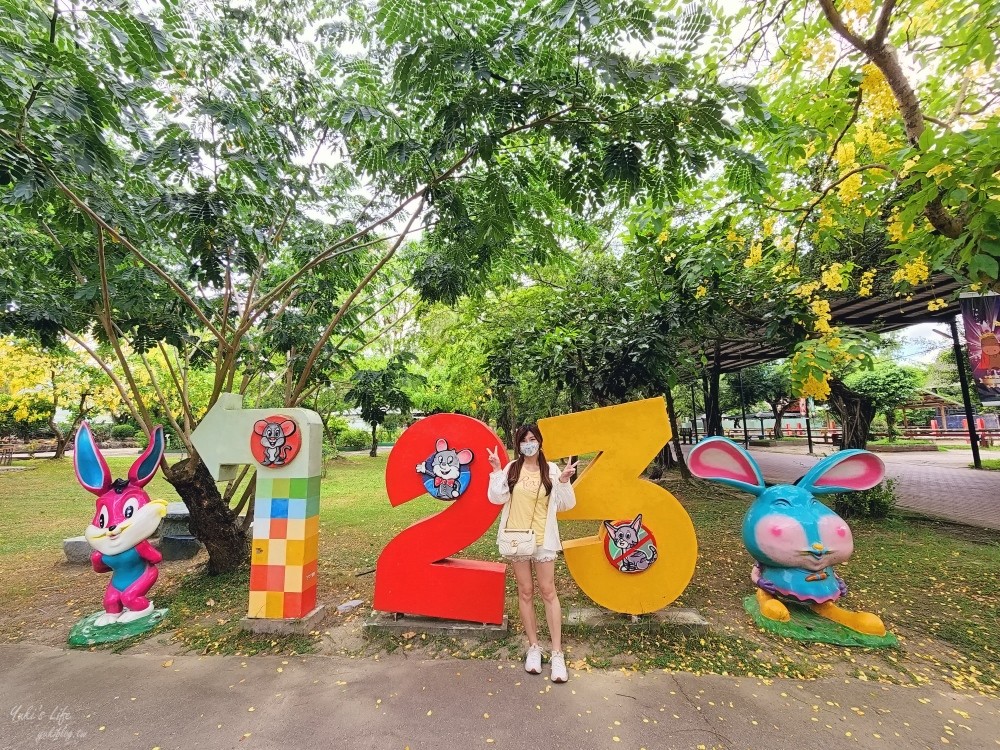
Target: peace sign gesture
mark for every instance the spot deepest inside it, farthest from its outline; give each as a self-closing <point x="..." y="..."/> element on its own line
<point x="494" y="458"/>
<point x="568" y="472"/>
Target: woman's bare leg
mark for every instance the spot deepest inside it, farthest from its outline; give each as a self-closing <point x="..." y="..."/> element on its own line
<point x="546" y="574"/>
<point x="525" y="600"/>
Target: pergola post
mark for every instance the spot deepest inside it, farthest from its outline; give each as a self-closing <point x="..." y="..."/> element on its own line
<point x="966" y="397"/>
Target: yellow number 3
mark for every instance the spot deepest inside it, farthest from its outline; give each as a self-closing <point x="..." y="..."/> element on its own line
<point x="627" y="437"/>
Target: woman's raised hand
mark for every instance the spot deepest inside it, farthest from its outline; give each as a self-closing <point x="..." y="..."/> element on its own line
<point x="568" y="472"/>
<point x="494" y="458"/>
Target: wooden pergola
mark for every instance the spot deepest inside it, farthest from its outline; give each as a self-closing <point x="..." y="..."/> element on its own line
<point x="874" y="314"/>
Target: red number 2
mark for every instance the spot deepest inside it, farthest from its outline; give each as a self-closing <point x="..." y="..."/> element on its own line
<point x="414" y="574"/>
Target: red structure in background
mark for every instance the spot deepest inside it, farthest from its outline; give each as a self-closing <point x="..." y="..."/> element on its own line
<point x="414" y="574"/>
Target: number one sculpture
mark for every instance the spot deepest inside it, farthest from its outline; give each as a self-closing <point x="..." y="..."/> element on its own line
<point x="286" y="446"/>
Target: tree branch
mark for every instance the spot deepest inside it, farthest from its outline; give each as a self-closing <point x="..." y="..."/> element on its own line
<point x="882" y="25"/>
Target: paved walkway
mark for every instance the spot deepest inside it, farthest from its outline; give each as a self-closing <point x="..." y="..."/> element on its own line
<point x="59" y="698"/>
<point x="935" y="484"/>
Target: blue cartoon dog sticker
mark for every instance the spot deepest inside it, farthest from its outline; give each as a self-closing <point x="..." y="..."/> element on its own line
<point x="446" y="473"/>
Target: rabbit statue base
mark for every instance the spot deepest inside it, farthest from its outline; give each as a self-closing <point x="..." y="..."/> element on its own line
<point x="91" y="631"/>
<point x="803" y="623"/>
<point x="795" y="539"/>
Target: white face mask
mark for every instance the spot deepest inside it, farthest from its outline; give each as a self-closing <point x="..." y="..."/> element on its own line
<point x="528" y="449"/>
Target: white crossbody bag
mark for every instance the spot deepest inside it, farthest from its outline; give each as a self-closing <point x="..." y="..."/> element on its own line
<point x="519" y="542"/>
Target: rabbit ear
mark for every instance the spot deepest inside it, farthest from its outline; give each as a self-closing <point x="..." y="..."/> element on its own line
<point x="844" y="471"/>
<point x="91" y="469"/>
<point x="722" y="460"/>
<point x="145" y="466"/>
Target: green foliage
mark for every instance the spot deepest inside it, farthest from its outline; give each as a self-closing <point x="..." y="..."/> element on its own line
<point x="354" y="440"/>
<point x="124" y="431"/>
<point x="875" y="503"/>
<point x="887" y="386"/>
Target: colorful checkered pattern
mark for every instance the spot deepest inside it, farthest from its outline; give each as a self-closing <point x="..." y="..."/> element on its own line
<point x="283" y="559"/>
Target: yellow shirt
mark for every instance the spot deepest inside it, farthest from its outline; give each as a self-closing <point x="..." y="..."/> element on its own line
<point x="528" y="494"/>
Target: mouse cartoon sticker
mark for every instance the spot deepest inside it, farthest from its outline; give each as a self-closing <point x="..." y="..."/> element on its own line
<point x="446" y="471"/>
<point x="629" y="545"/>
<point x="275" y="441"/>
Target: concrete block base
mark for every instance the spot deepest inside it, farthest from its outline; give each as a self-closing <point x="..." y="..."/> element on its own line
<point x="77" y="550"/>
<point x="387" y="623"/>
<point x="668" y="619"/>
<point x="179" y="547"/>
<point x="294" y="626"/>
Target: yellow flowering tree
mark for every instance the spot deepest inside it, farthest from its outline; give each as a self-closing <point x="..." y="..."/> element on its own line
<point x="39" y="384"/>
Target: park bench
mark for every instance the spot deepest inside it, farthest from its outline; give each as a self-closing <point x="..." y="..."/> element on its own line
<point x="6" y="456"/>
<point x="686" y="435"/>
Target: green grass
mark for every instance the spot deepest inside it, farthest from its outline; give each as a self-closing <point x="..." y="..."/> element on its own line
<point x="935" y="585"/>
<point x="44" y="504"/>
<point x="991" y="464"/>
<point x="900" y="441"/>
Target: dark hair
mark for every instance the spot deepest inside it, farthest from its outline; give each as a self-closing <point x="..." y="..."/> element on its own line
<point x="514" y="472"/>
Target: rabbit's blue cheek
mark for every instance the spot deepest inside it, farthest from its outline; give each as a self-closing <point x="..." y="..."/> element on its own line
<point x="780" y="539"/>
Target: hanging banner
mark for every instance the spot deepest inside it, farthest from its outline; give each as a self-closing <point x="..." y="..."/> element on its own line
<point x="981" y="319"/>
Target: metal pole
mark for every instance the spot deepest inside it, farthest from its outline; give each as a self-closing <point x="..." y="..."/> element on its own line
<point x="743" y="409"/>
<point x="704" y="392"/>
<point x="966" y="398"/>
<point x="809" y="432"/>
<point x="694" y="415"/>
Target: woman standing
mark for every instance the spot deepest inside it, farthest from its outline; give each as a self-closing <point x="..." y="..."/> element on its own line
<point x="532" y="490"/>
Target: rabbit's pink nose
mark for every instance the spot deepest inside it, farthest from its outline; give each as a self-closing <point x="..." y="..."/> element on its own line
<point x="842" y="531"/>
<point x="776" y="530"/>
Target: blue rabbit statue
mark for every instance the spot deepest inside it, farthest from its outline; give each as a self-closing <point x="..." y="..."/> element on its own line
<point x="794" y="538"/>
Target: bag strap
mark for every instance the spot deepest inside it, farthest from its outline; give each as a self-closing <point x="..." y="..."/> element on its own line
<point x="506" y="526"/>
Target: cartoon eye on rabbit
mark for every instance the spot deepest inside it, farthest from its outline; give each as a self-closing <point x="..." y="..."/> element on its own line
<point x="123" y="522"/>
<point x="795" y="539"/>
<point x="443" y="467"/>
<point x="626" y="536"/>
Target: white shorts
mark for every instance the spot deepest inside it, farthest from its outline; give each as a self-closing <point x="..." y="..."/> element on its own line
<point x="540" y="555"/>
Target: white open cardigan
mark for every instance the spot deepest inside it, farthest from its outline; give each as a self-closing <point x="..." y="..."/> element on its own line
<point x="562" y="498"/>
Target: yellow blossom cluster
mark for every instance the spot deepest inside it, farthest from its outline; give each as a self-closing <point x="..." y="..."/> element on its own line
<point x="784" y="270"/>
<point x="768" y="225"/>
<point x="845" y="155"/>
<point x="821" y="309"/>
<point x="913" y="272"/>
<point x="897" y="230"/>
<point x="936" y="304"/>
<point x="733" y="237"/>
<point x="850" y="189"/>
<point x="818" y="389"/>
<point x="865" y="285"/>
<point x="867" y="134"/>
<point x="833" y="277"/>
<point x="806" y="290"/>
<point x="755" y="256"/>
<point x="825" y="221"/>
<point x="700" y="292"/>
<point x="878" y="97"/>
<point x="663" y="237"/>
<point x="860" y="8"/>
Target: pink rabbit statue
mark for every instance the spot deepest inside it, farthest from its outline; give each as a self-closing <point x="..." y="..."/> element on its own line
<point x="124" y="520"/>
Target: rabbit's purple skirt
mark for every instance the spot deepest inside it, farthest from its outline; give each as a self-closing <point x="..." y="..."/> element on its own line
<point x="765" y="584"/>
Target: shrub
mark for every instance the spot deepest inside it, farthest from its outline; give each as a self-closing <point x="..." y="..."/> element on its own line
<point x="101" y="431"/>
<point x="123" y="432"/>
<point x="878" y="502"/>
<point x="354" y="440"/>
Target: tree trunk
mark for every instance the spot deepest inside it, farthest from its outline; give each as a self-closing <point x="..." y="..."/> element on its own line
<point x="855" y="412"/>
<point x="713" y="413"/>
<point x="212" y="522"/>
<point x="676" y="436"/>
<point x="890" y="424"/>
<point x="374" y="450"/>
<point x="777" y="414"/>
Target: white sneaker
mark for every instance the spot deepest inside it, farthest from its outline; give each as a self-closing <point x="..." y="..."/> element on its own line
<point x="557" y="662"/>
<point x="533" y="661"/>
